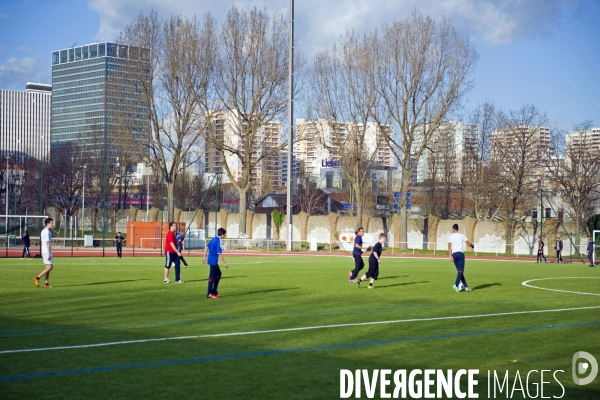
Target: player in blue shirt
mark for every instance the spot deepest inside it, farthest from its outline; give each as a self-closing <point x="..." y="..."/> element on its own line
<point x="180" y="247"/>
<point x="211" y="256"/>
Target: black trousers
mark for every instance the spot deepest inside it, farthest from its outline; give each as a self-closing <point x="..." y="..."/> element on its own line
<point x="119" y="250"/>
<point x="358" y="265"/>
<point x="559" y="256"/>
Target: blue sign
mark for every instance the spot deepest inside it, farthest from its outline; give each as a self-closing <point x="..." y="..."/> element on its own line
<point x="347" y="206"/>
<point x="331" y="163"/>
<point x="398" y="196"/>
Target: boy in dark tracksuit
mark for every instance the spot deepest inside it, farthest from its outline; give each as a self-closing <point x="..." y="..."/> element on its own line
<point x="374" y="261"/>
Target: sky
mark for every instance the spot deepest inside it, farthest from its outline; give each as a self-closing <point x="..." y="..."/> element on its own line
<point x="540" y="52"/>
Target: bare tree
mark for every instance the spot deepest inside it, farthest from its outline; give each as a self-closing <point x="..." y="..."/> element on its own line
<point x="164" y="78"/>
<point x="310" y="199"/>
<point x="341" y="102"/>
<point x="577" y="175"/>
<point x="190" y="189"/>
<point x="481" y="184"/>
<point x="248" y="92"/>
<point x="517" y="149"/>
<point x="423" y="70"/>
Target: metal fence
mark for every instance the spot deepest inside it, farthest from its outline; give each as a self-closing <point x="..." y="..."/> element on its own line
<point x="105" y="247"/>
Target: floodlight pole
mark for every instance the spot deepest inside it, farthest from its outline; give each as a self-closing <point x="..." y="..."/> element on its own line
<point x="290" y="155"/>
<point x="6" y="198"/>
<point x="83" y="205"/>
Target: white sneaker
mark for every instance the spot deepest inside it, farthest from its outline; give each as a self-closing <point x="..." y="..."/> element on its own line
<point x="167" y="280"/>
<point x="179" y="281"/>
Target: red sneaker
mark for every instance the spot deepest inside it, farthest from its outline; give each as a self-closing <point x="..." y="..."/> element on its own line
<point x="212" y="296"/>
<point x="36" y="280"/>
<point x="217" y="296"/>
<point x="47" y="286"/>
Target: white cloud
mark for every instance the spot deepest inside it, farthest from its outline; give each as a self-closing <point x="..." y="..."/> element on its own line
<point x="319" y="23"/>
<point x="17" y="72"/>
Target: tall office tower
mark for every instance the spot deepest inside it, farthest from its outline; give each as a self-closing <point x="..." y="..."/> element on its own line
<point x="94" y="97"/>
<point x="25" y="122"/>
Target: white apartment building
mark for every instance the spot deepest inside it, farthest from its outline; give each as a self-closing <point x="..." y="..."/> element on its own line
<point x="268" y="139"/>
<point x="448" y="146"/>
<point x="318" y="137"/>
<point x="25" y="122"/>
<point x="589" y="138"/>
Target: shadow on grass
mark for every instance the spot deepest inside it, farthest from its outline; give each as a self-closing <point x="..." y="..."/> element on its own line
<point x="487" y="285"/>
<point x="400" y="284"/>
<point x="223" y="277"/>
<point x="392" y="277"/>
<point x="262" y="291"/>
<point x="108" y="282"/>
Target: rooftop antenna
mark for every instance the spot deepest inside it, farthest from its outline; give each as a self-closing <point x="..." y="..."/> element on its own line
<point x="74" y="44"/>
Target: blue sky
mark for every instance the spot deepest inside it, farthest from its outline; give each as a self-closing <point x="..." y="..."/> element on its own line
<point x="541" y="52"/>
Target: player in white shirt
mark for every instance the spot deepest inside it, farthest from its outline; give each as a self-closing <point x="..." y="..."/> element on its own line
<point x="46" y="240"/>
<point x="456" y="250"/>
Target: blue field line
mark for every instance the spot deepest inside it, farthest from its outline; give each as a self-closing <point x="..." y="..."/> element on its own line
<point x="286" y="351"/>
<point x="250" y="316"/>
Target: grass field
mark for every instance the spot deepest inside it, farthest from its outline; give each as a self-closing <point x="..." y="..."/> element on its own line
<point x="249" y="343"/>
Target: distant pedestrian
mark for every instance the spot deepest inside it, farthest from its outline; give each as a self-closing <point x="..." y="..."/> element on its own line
<point x="590" y="251"/>
<point x="559" y="248"/>
<point x="357" y="251"/>
<point x="172" y="254"/>
<point x="119" y="239"/>
<point x="457" y="256"/>
<point x="212" y="252"/>
<point x="181" y="246"/>
<point x="374" y="261"/>
<point x="26" y="244"/>
<point x="540" y="252"/>
<point x="46" y="239"/>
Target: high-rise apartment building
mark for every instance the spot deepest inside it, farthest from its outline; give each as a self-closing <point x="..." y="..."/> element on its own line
<point x="90" y="83"/>
<point x="535" y="139"/>
<point x="321" y="139"/>
<point x="25" y="122"/>
<point x="266" y="176"/>
<point x="445" y="154"/>
<point x="589" y="138"/>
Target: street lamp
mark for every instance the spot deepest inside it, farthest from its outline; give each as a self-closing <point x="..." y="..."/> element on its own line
<point x="83" y="205"/>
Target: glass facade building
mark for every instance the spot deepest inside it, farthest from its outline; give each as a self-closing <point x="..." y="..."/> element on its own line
<point x="91" y="85"/>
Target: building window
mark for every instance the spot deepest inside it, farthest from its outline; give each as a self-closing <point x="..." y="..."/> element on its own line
<point x="101" y="49"/>
<point x="55" y="58"/>
<point x="111" y="50"/>
<point x="63" y="56"/>
<point x="93" y="51"/>
<point x="78" y="54"/>
<point x="84" y="52"/>
<point x="71" y="55"/>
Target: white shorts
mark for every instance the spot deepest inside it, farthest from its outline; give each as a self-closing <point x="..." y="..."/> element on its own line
<point x="46" y="258"/>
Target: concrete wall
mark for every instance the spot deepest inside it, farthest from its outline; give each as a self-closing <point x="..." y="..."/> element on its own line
<point x="489" y="236"/>
<point x="318" y="228"/>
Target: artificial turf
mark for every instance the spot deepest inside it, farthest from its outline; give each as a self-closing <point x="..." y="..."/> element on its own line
<point x="104" y="300"/>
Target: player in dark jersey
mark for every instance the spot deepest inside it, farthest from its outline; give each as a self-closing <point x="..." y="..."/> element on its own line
<point x="119" y="239"/>
<point x="374" y="260"/>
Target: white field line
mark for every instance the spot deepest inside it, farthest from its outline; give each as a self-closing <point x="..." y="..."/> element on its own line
<point x="525" y="283"/>
<point x="305" y="328"/>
